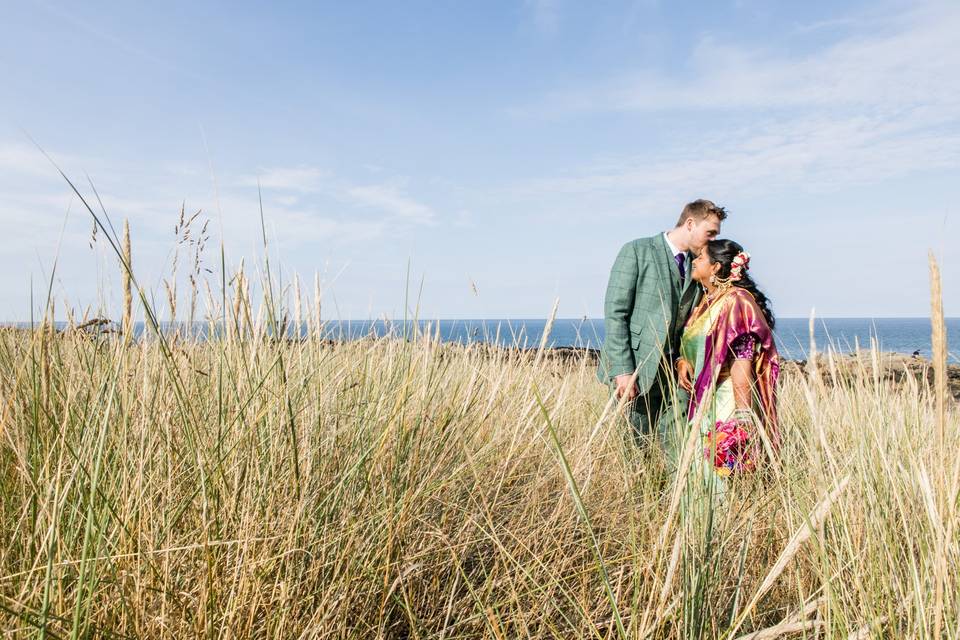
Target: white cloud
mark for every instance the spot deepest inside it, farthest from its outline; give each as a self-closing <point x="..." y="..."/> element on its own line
<point x="818" y="153"/>
<point x="392" y="200"/>
<point x="309" y="213"/>
<point x="861" y="111"/>
<point x="299" y="182"/>
<point x="292" y="226"/>
<point x="18" y="158"/>
<point x="28" y="160"/>
<point x="301" y="179"/>
<point x="909" y="60"/>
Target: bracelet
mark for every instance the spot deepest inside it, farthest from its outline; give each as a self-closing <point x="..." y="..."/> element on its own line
<point x="743" y="415"/>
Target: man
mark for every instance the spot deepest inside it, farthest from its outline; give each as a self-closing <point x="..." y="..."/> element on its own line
<point x="649" y="298"/>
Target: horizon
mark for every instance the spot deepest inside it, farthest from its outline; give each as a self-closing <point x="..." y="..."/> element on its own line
<point x="39" y="321"/>
<point x="841" y="335"/>
<point x="498" y="154"/>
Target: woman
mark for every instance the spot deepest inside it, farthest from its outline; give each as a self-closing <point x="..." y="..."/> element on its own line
<point x="729" y="363"/>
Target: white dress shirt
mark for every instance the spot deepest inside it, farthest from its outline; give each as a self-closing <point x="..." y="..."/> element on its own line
<point x="673" y="247"/>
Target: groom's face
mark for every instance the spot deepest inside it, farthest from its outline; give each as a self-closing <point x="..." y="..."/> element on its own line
<point x="702" y="232"/>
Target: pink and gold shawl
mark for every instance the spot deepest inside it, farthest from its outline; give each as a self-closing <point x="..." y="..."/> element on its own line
<point x="741" y="315"/>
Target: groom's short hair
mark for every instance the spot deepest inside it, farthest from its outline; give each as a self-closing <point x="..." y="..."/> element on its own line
<point x="700" y="209"/>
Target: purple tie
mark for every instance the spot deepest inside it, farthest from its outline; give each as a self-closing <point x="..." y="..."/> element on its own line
<point x="681" y="259"/>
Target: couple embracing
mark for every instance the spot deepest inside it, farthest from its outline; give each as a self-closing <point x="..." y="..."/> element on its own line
<point x="689" y="339"/>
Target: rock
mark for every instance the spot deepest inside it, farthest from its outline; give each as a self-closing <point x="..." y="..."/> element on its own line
<point x="894" y="367"/>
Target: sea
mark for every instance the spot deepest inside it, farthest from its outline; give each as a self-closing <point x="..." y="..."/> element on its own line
<point x="900" y="335"/>
<point x="843" y="335"/>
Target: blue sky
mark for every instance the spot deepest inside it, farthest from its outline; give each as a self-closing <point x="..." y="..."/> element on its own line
<point x="504" y="149"/>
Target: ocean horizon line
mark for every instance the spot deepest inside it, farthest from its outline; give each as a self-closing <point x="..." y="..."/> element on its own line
<point x="909" y="335"/>
<point x="27" y="323"/>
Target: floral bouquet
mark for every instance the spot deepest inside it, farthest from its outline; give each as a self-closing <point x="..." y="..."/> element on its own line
<point x="730" y="446"/>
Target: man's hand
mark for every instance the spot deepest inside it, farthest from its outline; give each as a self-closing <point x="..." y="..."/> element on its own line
<point x="685" y="375"/>
<point x="626" y="387"/>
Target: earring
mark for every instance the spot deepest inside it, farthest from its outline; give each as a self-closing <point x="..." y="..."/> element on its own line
<point x="713" y="279"/>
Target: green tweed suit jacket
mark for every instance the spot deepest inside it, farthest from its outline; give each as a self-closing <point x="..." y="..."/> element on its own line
<point x="645" y="309"/>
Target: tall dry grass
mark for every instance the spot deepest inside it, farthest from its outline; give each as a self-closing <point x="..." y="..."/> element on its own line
<point x="404" y="488"/>
<point x="252" y="486"/>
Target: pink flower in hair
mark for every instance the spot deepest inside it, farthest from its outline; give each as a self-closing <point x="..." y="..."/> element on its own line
<point x="740" y="264"/>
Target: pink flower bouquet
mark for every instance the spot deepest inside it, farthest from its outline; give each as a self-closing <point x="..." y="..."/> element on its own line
<point x="730" y="446"/>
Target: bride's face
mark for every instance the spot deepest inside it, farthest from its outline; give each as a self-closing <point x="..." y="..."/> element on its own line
<point x="703" y="268"/>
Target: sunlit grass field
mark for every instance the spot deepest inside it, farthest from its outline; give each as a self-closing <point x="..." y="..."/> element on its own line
<point x="401" y="488"/>
<point x="251" y="485"/>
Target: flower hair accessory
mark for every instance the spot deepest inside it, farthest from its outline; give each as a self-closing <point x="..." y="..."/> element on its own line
<point x="740" y="264"/>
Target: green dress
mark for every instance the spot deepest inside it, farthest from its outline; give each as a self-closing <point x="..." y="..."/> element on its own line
<point x="719" y="404"/>
<point x="726" y="445"/>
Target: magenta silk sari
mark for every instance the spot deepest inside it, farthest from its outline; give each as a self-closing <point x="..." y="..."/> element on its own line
<point x="739" y="316"/>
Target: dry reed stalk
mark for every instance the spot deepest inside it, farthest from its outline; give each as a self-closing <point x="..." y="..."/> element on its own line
<point x="679" y="485"/>
<point x="49" y="319"/>
<point x="813" y="406"/>
<point x="257" y="327"/>
<point x="812" y="368"/>
<point x="127" y="324"/>
<point x="671" y="571"/>
<point x="171" y="290"/>
<point x="791" y="624"/>
<point x="213" y="311"/>
<point x="938" y="340"/>
<point x="192" y="313"/>
<point x="250" y="326"/>
<point x="939" y="348"/>
<point x="297" y="304"/>
<point x="317" y="324"/>
<point x="814" y="520"/>
<point x="546" y="333"/>
<point x="867" y="631"/>
<point x="941" y="543"/>
<point x="784" y="629"/>
<point x="238" y="301"/>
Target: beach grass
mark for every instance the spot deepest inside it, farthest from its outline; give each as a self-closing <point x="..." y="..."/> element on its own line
<point x="245" y="486"/>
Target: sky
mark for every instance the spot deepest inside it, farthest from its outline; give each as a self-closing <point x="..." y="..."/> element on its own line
<point x="480" y="160"/>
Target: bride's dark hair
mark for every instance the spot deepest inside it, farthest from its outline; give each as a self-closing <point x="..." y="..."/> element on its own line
<point x="723" y="252"/>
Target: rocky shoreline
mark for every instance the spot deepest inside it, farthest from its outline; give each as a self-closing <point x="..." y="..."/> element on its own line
<point x="895" y="366"/>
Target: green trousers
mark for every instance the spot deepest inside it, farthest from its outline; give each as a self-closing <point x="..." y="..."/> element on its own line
<point x="660" y="414"/>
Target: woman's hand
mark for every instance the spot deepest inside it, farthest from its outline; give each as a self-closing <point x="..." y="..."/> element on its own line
<point x="685" y="374"/>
